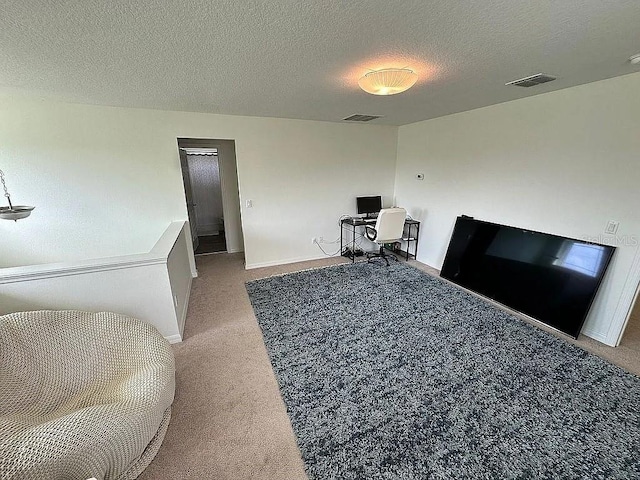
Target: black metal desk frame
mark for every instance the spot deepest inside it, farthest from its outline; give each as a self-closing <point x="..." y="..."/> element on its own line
<point x="410" y="235"/>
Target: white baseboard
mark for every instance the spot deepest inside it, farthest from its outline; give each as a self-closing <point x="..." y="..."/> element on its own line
<point x="250" y="266"/>
<point x="174" y="338"/>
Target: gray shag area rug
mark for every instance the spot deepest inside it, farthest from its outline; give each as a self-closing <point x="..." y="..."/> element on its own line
<point x="390" y="373"/>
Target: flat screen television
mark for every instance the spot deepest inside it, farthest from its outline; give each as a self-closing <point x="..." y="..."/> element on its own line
<point x="368" y="205"/>
<point x="550" y="278"/>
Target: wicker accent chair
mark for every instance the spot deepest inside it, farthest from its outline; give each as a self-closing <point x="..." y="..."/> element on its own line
<point x="82" y="395"/>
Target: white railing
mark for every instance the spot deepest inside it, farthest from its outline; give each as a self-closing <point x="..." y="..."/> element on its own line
<point x="152" y="286"/>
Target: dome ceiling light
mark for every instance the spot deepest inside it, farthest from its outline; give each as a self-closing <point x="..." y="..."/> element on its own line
<point x="388" y="81"/>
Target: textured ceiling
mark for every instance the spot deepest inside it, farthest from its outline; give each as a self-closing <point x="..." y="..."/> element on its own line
<point x="302" y="59"/>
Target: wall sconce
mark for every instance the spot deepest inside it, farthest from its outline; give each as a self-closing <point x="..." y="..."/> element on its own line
<point x="12" y="212"/>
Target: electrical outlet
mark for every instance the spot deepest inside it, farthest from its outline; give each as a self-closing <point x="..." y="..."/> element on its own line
<point x="249" y="203"/>
<point x="612" y="227"/>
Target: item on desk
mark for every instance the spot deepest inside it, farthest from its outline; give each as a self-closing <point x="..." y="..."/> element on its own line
<point x="369" y="205"/>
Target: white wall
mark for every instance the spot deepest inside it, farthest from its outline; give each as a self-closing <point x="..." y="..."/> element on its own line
<point x="565" y="162"/>
<point x="106" y="181"/>
<point x="301" y="178"/>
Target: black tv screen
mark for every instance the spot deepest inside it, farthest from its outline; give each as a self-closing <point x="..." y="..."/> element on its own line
<point x="550" y="278"/>
<point x="367" y="205"/>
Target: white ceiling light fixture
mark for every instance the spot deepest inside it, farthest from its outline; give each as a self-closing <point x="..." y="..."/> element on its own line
<point x="388" y="81"/>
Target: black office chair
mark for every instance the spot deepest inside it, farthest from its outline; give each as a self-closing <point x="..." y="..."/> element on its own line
<point x="388" y="229"/>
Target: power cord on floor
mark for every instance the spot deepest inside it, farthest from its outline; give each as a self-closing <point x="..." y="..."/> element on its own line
<point x="357" y="243"/>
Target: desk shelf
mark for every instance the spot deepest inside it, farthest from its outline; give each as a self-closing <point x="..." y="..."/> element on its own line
<point x="403" y="253"/>
<point x="409" y="238"/>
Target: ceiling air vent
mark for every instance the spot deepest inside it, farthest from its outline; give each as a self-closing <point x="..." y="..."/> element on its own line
<point x="357" y="117"/>
<point x="533" y="80"/>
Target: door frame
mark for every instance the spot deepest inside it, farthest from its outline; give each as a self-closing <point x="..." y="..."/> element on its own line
<point x="221" y="144"/>
<point x="628" y="298"/>
<point x="188" y="192"/>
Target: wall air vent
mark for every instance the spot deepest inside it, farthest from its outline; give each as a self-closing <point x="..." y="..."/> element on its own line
<point x="357" y="117"/>
<point x="533" y="80"/>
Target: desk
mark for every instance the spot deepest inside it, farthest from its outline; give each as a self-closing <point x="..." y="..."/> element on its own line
<point x="348" y="246"/>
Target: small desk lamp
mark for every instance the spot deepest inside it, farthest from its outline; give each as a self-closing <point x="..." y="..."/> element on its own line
<point x="11" y="212"/>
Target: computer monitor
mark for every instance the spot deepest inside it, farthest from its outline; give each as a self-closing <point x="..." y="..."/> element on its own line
<point x="368" y="205"/>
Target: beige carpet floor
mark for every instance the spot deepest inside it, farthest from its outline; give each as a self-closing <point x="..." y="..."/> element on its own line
<point x="229" y="421"/>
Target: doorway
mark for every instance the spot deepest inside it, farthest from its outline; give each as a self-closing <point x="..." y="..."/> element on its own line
<point x="204" y="175"/>
<point x="209" y="174"/>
